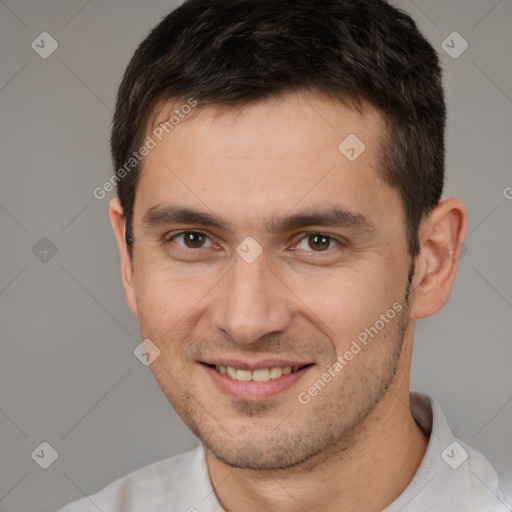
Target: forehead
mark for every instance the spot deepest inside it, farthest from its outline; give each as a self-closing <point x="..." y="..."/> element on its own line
<point x="267" y="157"/>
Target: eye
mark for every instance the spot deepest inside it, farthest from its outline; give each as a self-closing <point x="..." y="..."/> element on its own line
<point x="317" y="242"/>
<point x="191" y="239"/>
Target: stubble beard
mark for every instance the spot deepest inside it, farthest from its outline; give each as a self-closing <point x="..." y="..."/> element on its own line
<point x="334" y="422"/>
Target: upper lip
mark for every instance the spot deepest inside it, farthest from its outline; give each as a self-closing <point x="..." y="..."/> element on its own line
<point x="255" y="364"/>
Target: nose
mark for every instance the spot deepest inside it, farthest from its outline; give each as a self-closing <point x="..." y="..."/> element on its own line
<point x="252" y="302"/>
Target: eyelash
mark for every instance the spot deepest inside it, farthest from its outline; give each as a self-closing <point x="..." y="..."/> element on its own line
<point x="170" y="239"/>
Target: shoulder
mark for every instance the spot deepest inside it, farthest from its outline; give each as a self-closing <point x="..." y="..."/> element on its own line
<point x="168" y="481"/>
<point x="480" y="483"/>
<point x="453" y="476"/>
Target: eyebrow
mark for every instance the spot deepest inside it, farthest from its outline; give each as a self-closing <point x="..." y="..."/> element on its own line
<point x="334" y="216"/>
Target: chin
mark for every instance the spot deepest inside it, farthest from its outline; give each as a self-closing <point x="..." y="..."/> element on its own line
<point x="267" y="454"/>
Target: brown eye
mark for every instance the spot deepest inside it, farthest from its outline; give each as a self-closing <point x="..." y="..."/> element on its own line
<point x="318" y="242"/>
<point x="191" y="239"/>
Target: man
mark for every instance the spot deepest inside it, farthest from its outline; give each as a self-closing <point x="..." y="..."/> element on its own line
<point x="280" y="166"/>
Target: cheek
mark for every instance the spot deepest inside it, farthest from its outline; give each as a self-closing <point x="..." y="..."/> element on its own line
<point x="168" y="303"/>
<point x="345" y="301"/>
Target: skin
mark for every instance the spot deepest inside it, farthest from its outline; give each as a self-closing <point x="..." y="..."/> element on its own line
<point x="295" y="301"/>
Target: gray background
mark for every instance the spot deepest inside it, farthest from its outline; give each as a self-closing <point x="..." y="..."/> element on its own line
<point x="68" y="375"/>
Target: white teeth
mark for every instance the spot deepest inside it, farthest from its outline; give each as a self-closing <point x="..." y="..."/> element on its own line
<point x="243" y="374"/>
<point x="261" y="375"/>
<point x="276" y="372"/>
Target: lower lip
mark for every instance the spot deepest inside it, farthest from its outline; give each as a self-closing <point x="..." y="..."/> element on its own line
<point x="253" y="390"/>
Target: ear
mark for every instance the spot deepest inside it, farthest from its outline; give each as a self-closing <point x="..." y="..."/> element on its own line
<point x="118" y="221"/>
<point x="441" y="237"/>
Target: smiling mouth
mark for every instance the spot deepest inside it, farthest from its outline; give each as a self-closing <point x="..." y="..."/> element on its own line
<point x="259" y="375"/>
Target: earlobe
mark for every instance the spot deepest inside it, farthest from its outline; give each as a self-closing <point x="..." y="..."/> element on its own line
<point x="441" y="242"/>
<point x="118" y="221"/>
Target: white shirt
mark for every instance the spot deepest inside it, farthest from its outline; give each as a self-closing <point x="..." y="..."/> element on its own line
<point x="452" y="477"/>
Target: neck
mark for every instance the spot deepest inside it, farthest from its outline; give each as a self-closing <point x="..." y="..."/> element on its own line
<point x="387" y="451"/>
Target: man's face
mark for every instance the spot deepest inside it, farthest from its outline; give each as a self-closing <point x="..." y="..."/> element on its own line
<point x="206" y="301"/>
